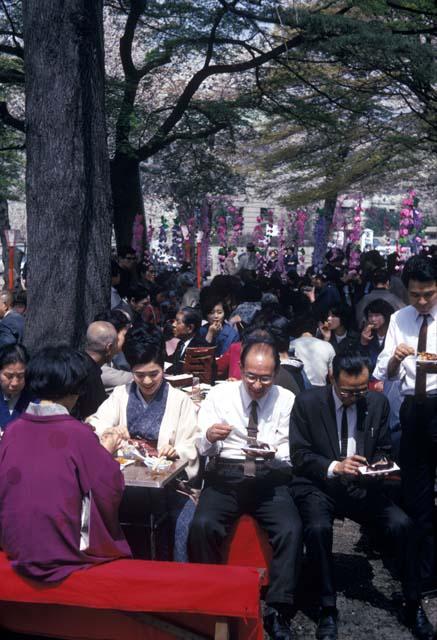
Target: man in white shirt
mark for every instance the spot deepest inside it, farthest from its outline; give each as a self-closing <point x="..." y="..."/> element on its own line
<point x="316" y="355"/>
<point x="333" y="432"/>
<point x="234" y="417"/>
<point x="413" y="330"/>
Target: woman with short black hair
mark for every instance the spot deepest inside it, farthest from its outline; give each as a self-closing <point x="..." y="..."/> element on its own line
<point x="377" y="313"/>
<point x="217" y="332"/>
<point x="60" y="489"/>
<point x="335" y="327"/>
<point x="14" y="396"/>
<point x="163" y="418"/>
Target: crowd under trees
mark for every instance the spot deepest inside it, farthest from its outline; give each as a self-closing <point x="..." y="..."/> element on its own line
<point x="126" y="97"/>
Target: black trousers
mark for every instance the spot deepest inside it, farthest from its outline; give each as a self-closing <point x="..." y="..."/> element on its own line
<point x="318" y="510"/>
<point x="418" y="461"/>
<point x="268" y="500"/>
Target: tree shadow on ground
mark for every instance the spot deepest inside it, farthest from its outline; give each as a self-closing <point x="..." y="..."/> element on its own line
<point x="354" y="579"/>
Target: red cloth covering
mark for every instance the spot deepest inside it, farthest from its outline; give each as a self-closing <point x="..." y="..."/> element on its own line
<point x="228" y="365"/>
<point x="131" y="586"/>
<point x="249" y="546"/>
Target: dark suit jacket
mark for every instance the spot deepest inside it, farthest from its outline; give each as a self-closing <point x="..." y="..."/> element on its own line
<point x="93" y="392"/>
<point x="314" y="440"/>
<point x="284" y="379"/>
<point x="177" y="366"/>
<point x="349" y="343"/>
<point x="11" y="329"/>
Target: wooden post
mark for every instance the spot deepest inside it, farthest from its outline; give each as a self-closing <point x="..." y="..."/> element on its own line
<point x="11" y="252"/>
<point x="10" y="240"/>
<point x="199" y="237"/>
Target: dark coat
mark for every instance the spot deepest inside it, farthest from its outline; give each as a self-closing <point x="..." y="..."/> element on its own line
<point x="314" y="438"/>
<point x="93" y="393"/>
<point x="349" y="343"/>
<point x="177" y="366"/>
<point x="11" y="329"/>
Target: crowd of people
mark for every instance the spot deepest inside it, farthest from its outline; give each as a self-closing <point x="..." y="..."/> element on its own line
<point x="314" y="381"/>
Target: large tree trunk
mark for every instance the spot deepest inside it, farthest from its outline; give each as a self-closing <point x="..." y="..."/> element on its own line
<point x="4" y="225"/>
<point x="67" y="181"/>
<point x="127" y="196"/>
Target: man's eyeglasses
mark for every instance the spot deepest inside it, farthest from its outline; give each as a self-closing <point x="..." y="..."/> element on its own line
<point x="251" y="377"/>
<point x="349" y="393"/>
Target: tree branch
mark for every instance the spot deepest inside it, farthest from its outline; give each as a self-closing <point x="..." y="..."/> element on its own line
<point x="14" y="147"/>
<point x="11" y="76"/>
<point x="14" y="33"/>
<point x="158" y="140"/>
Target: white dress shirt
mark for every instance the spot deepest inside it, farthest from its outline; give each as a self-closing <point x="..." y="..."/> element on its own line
<point x="11" y="402"/>
<point x="404" y="328"/>
<point x="351" y="414"/>
<point x="317" y="356"/>
<point x="229" y="403"/>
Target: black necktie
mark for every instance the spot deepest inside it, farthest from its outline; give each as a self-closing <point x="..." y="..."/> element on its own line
<point x="420" y="385"/>
<point x="344" y="434"/>
<point x="252" y="433"/>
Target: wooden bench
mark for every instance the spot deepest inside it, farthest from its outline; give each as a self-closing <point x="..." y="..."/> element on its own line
<point x="138" y="599"/>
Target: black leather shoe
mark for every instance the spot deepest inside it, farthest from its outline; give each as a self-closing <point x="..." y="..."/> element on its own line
<point x="327" y="625"/>
<point x="278" y="625"/>
<point x="417" y="621"/>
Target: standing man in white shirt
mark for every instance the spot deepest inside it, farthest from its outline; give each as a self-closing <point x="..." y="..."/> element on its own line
<point x="235" y="416"/>
<point x="413" y="330"/>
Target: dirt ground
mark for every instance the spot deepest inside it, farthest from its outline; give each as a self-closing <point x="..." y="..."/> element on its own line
<point x="368" y="592"/>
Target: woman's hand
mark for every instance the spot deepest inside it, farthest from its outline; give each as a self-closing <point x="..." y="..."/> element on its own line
<point x="310" y="293"/>
<point x="325" y="331"/>
<point x="366" y="335"/>
<point x="111" y="440"/>
<point x="213" y="330"/>
<point x="169" y="452"/>
<point x="122" y="431"/>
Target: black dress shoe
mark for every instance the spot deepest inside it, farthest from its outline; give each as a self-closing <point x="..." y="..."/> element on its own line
<point x="327" y="625"/>
<point x="278" y="624"/>
<point x="417" y="621"/>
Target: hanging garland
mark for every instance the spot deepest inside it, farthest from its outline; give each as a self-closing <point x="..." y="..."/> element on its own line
<point x="280" y="267"/>
<point x="410" y="223"/>
<point x="261" y="236"/>
<point x="206" y="239"/>
<point x="297" y="221"/>
<point x="162" y="241"/>
<point x="177" y="249"/>
<point x="339" y="222"/>
<point x="226" y="225"/>
<point x="320" y="239"/>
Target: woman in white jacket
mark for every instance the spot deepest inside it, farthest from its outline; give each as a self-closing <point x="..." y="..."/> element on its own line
<point x="150" y="409"/>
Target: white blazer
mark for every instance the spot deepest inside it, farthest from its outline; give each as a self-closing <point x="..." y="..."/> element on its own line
<point x="178" y="426"/>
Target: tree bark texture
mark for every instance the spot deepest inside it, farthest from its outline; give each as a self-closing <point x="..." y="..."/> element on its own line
<point x="68" y="192"/>
<point x="4" y="225"/>
<point x="127" y="196"/>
